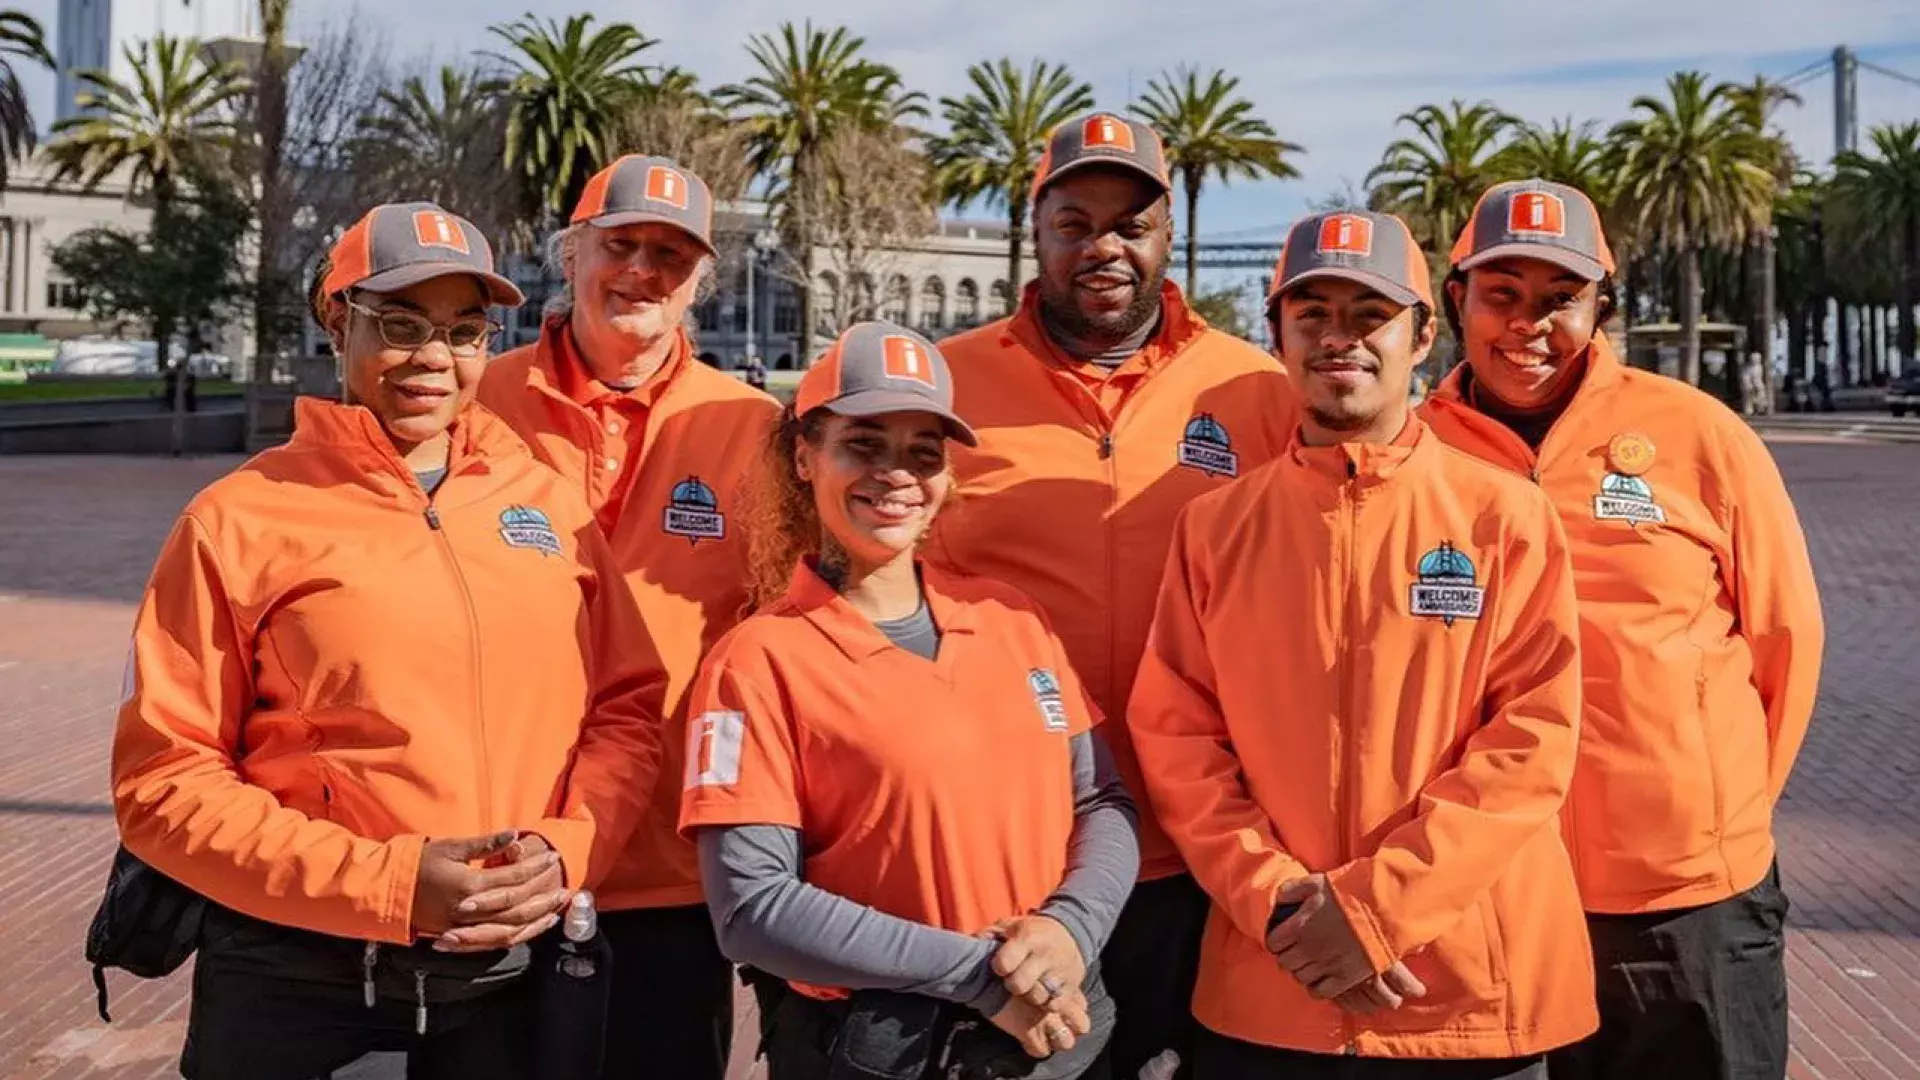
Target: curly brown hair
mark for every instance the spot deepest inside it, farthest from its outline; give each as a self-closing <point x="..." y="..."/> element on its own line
<point x="782" y="525"/>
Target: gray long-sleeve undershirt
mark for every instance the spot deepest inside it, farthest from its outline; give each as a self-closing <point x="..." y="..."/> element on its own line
<point x="766" y="915"/>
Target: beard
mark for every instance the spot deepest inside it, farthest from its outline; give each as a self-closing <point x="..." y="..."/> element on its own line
<point x="1063" y="310"/>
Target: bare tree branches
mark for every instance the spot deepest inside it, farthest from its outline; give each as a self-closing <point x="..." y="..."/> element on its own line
<point x="865" y="197"/>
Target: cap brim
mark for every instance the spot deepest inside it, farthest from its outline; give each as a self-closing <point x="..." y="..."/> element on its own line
<point x="882" y="402"/>
<point x="615" y="219"/>
<point x="1386" y="287"/>
<point x="1588" y="268"/>
<point x="499" y="289"/>
<point x="1105" y="162"/>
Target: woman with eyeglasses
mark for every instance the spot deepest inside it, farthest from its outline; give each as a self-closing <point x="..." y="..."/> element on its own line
<point x="382" y="709"/>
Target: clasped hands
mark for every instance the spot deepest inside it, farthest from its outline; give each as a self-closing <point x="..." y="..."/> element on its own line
<point x="1318" y="947"/>
<point x="516" y="892"/>
<point x="1041" y="965"/>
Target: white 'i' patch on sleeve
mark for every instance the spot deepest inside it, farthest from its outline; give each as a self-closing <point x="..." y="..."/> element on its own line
<point x="713" y="748"/>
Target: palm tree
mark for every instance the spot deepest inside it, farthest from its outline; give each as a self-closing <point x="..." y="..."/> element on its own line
<point x="998" y="132"/>
<point x="1435" y="178"/>
<point x="808" y="84"/>
<point x="1565" y="153"/>
<point x="174" y="119"/>
<point x="1692" y="175"/>
<point x="268" y="118"/>
<point x="441" y="142"/>
<point x="1211" y="130"/>
<point x="1886" y="185"/>
<point x="570" y="86"/>
<point x="22" y="38"/>
<point x="1755" y="103"/>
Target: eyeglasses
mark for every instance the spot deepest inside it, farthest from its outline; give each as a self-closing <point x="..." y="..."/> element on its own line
<point x="406" y="330"/>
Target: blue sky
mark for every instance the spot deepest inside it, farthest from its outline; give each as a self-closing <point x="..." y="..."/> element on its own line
<point x="1332" y="77"/>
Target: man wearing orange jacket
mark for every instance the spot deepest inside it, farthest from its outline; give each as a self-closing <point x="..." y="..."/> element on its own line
<point x="1358" y="713"/>
<point x="613" y="397"/>
<point x="1700" y="628"/>
<point x="1103" y="406"/>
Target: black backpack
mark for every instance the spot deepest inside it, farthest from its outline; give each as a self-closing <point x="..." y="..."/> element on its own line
<point x="147" y="924"/>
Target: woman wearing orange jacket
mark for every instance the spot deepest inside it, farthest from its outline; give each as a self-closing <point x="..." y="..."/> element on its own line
<point x="380" y="710"/>
<point x="1700" y="640"/>
<point x="906" y="825"/>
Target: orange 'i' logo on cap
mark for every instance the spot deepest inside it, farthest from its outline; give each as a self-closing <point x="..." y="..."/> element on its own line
<point x="1346" y="234"/>
<point x="907" y="359"/>
<point x="431" y="228"/>
<point x="1536" y="213"/>
<point x="666" y="185"/>
<point x="1107" y="133"/>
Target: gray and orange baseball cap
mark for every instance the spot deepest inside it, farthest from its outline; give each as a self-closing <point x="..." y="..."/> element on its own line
<point x="637" y="188"/>
<point x="400" y="244"/>
<point x="1102" y="139"/>
<point x="1376" y="250"/>
<point x="1535" y="219"/>
<point x="878" y="368"/>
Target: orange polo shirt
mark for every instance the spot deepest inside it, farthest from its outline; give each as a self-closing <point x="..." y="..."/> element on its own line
<point x="939" y="791"/>
<point x="662" y="467"/>
<point x="1072" y="493"/>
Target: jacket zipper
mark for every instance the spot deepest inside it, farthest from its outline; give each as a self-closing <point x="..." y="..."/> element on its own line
<point x="473" y="648"/>
<point x="1348" y="514"/>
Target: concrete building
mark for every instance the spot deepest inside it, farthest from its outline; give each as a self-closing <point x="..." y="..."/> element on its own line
<point x="35" y="217"/>
<point x="951" y="279"/>
<point x="94" y="33"/>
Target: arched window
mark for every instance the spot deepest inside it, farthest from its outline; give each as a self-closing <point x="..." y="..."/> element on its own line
<point x="933" y="304"/>
<point x="966" y="303"/>
<point x="826" y="303"/>
<point x="1001" y="304"/>
<point x="864" y="301"/>
<point x="899" y="294"/>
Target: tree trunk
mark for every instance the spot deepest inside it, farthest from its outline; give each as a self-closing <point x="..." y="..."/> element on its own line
<point x="270" y="119"/>
<point x="1796" y="350"/>
<point x="1769" y="315"/>
<point x="1193" y="234"/>
<point x="805" y="359"/>
<point x="1690" y="314"/>
<point x="1910" y="293"/>
<point x="1016" y="236"/>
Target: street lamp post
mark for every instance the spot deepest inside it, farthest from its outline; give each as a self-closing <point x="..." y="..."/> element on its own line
<point x="763" y="242"/>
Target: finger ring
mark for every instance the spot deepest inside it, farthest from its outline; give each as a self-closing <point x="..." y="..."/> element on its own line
<point x="1051" y="985"/>
<point x="1058" y="1032"/>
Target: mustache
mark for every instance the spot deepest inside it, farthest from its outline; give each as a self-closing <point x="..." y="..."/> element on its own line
<point x="1357" y="359"/>
<point x="1116" y="268"/>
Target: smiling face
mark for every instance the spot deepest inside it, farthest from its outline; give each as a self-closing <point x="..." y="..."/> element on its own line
<point x="1102" y="237"/>
<point x="1352" y="351"/>
<point x="416" y="393"/>
<point x="632" y="286"/>
<point x="1526" y="325"/>
<point x="877" y="482"/>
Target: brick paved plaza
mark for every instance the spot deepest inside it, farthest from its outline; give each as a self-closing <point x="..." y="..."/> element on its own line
<point x="78" y="537"/>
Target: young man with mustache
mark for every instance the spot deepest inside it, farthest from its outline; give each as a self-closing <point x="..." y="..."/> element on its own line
<point x="613" y="398"/>
<point x="1103" y="406"/>
<point x="1701" y="628"/>
<point x="1358" y="712"/>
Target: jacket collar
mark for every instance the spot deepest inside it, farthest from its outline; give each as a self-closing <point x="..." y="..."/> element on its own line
<point x="1180" y="326"/>
<point x="558" y="370"/>
<point x="354" y="432"/>
<point x="854" y="634"/>
<point x="1367" y="464"/>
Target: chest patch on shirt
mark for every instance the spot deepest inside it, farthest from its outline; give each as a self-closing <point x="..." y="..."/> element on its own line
<point x="693" y="511"/>
<point x="1446" y="586"/>
<point x="1627" y="498"/>
<point x="1046" y="695"/>
<point x="527" y="527"/>
<point x="1206" y="446"/>
<point x="714" y="740"/>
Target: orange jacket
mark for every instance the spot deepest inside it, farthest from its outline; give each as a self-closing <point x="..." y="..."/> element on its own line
<point x="674" y="522"/>
<point x="1365" y="663"/>
<point x="1072" y="494"/>
<point x="328" y="669"/>
<point x="1700" y="630"/>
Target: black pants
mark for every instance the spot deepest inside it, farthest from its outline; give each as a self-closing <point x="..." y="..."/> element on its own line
<point x="271" y="1003"/>
<point x="671" y="1012"/>
<point x="1699" y="993"/>
<point x="1149" y="966"/>
<point x="1221" y="1058"/>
